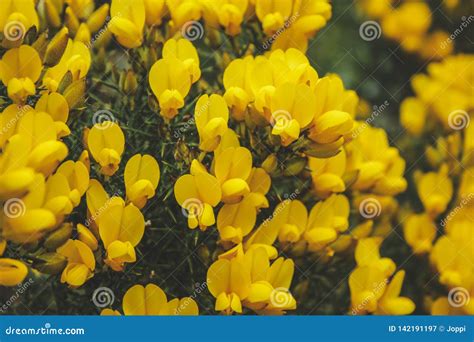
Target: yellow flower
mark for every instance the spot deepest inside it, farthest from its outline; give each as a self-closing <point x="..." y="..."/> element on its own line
<point x="326" y="220"/>
<point x="238" y="94"/>
<point x="272" y="14"/>
<point x="30" y="221"/>
<point x="367" y="285"/>
<point x="232" y="169"/>
<point x="182" y="11"/>
<point x="151" y="300"/>
<point x="75" y="59"/>
<point x="231" y="15"/>
<point x="308" y="17"/>
<point x="419" y="232"/>
<point x="141" y="177"/>
<point x="452" y="253"/>
<point x="198" y="193"/>
<point x="291" y="217"/>
<point x="185" y="51"/>
<point x="269" y="290"/>
<point x="17" y="17"/>
<point x="20" y="68"/>
<point x="259" y="182"/>
<point x="413" y="115"/>
<point x="380" y="169"/>
<point x="435" y="190"/>
<point x="367" y="254"/>
<point x="211" y="116"/>
<point x="128" y="20"/>
<point x="327" y="174"/>
<point x="119" y="253"/>
<point x="81" y="263"/>
<point x="235" y="221"/>
<point x="77" y="177"/>
<point x="370" y="292"/>
<point x="391" y="303"/>
<point x="446" y="91"/>
<point x="86" y="236"/>
<point x="154" y="11"/>
<point x="229" y="282"/>
<point x="36" y="137"/>
<point x="121" y="227"/>
<point x="81" y="8"/>
<point x="441" y="306"/>
<point x="170" y="81"/>
<point x="376" y="8"/>
<point x="408" y="24"/>
<point x="12" y="272"/>
<point x="106" y="144"/>
<point x="292" y="110"/>
<point x="57" y="107"/>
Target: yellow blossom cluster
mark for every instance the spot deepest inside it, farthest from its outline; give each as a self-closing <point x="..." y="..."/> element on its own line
<point x="273" y="162"/>
<point x="443" y="228"/>
<point x="409" y="23"/>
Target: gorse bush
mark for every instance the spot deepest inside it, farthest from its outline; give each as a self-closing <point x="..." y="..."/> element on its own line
<point x="181" y="149"/>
